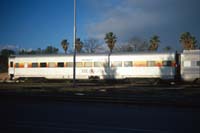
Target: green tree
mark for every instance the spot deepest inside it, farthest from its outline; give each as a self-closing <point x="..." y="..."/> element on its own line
<point x="110" y="39"/>
<point x="39" y="51"/>
<point x="22" y="51"/>
<point x="91" y="45"/>
<point x="78" y="45"/>
<point x="7" y="52"/>
<point x="137" y="44"/>
<point x="65" y="45"/>
<point x="154" y="43"/>
<point x="51" y="50"/>
<point x="198" y="45"/>
<point x="188" y="41"/>
<point x="27" y="52"/>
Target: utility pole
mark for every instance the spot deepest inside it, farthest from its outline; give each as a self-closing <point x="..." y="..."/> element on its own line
<point x="74" y="58"/>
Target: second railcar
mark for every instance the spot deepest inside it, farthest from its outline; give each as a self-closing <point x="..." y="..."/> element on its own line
<point x="190" y="65"/>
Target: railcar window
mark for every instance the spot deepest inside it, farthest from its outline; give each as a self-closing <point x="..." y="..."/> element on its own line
<point x="43" y="64"/>
<point x="167" y="63"/>
<point x="51" y="64"/>
<point x="60" y="64"/>
<point x="198" y="63"/>
<point x="79" y="64"/>
<point x="88" y="64"/>
<point x="69" y="64"/>
<point x="16" y="65"/>
<point x="151" y="63"/>
<point x="34" y="64"/>
<point x="139" y="63"/>
<point x="128" y="64"/>
<point x="187" y="63"/>
<point x="105" y="64"/>
<point x="98" y="64"/>
<point x="11" y="64"/>
<point x="116" y="64"/>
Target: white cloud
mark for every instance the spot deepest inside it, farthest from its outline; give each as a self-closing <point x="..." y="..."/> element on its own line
<point x="8" y="46"/>
<point x="123" y="21"/>
<point x="144" y="18"/>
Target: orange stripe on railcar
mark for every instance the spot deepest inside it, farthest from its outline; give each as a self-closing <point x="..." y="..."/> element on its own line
<point x="65" y="64"/>
<point x="21" y="65"/>
<point x="29" y="65"/>
<point x="159" y="63"/>
<point x="140" y="63"/>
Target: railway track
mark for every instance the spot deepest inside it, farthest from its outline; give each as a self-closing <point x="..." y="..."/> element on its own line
<point x="99" y="88"/>
<point x="150" y="100"/>
<point x="95" y="83"/>
<point x="125" y="93"/>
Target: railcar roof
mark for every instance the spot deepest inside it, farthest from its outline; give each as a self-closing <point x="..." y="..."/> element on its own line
<point x="93" y="54"/>
<point x="196" y="51"/>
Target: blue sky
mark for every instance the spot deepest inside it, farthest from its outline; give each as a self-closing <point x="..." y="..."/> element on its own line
<point x="39" y="23"/>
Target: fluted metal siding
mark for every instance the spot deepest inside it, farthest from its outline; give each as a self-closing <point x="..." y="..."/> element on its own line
<point x="192" y="72"/>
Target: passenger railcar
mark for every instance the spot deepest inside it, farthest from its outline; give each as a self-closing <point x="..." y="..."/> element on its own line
<point x="190" y="65"/>
<point x="98" y="66"/>
<point x="167" y="66"/>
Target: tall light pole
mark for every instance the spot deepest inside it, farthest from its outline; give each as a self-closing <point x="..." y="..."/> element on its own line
<point x="74" y="58"/>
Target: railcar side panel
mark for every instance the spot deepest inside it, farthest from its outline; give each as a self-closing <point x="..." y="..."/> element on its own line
<point x="155" y="65"/>
<point x="190" y="65"/>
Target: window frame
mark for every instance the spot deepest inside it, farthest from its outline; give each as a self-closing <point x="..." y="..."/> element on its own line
<point x="116" y="64"/>
<point x="87" y="64"/>
<point x="17" y="65"/>
<point x="43" y="64"/>
<point x="198" y="63"/>
<point x="98" y="64"/>
<point x="79" y="64"/>
<point x="130" y="64"/>
<point x="167" y="63"/>
<point x="151" y="63"/>
<point x="59" y="64"/>
<point x="187" y="63"/>
<point x="51" y="64"/>
<point x="34" y="65"/>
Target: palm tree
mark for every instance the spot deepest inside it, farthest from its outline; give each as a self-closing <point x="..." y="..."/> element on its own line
<point x="188" y="41"/>
<point x="110" y="39"/>
<point x="79" y="45"/>
<point x="154" y="43"/>
<point x="198" y="45"/>
<point x="65" y="45"/>
<point x="193" y="44"/>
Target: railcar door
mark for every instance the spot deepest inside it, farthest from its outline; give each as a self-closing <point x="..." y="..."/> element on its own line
<point x="11" y="68"/>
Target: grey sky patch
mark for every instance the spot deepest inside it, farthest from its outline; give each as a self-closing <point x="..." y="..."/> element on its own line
<point x="144" y="18"/>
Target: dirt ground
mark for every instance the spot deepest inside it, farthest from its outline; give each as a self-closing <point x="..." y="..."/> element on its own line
<point x="4" y="76"/>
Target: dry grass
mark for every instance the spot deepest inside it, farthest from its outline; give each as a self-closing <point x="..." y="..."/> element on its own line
<point x="4" y="76"/>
